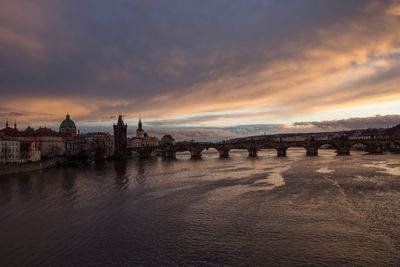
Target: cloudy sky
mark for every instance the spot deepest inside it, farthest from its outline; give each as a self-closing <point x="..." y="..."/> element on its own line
<point x="208" y="63"/>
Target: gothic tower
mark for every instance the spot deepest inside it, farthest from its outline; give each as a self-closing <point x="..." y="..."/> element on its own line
<point x="120" y="138"/>
<point x="140" y="131"/>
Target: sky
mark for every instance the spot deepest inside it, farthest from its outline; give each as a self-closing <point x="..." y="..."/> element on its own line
<point x="199" y="64"/>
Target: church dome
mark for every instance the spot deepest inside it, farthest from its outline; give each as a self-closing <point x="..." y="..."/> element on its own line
<point x="29" y="129"/>
<point x="67" y="123"/>
<point x="67" y="127"/>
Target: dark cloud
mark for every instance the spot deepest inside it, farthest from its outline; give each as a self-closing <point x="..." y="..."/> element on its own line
<point x="141" y="49"/>
<point x="351" y="124"/>
<point x="8" y="113"/>
<point x="195" y="120"/>
<point x="182" y="58"/>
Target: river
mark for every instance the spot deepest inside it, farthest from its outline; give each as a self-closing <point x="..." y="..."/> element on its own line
<point x="324" y="210"/>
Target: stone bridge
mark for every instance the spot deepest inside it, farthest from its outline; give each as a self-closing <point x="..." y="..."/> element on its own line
<point x="342" y="145"/>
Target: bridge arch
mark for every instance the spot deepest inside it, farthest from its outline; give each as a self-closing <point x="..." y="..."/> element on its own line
<point x="393" y="146"/>
<point x="215" y="149"/>
<point x="183" y="154"/>
<point x="327" y="145"/>
<point x="359" y="146"/>
<point x="293" y="150"/>
<point x="251" y="148"/>
<point x="326" y="149"/>
<point x="268" y="148"/>
<point x="372" y="146"/>
<point x="238" y="151"/>
<point x="279" y="147"/>
<point x="394" y="142"/>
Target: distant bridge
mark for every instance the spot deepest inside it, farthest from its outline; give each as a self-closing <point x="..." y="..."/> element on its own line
<point x="342" y="145"/>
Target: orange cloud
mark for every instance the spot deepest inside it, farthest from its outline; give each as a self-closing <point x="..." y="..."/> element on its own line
<point x="349" y="63"/>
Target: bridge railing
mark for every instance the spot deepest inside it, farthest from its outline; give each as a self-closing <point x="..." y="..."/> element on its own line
<point x="274" y="140"/>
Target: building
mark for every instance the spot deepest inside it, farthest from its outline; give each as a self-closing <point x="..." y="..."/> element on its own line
<point x="75" y="145"/>
<point x="135" y="142"/>
<point x="51" y="143"/>
<point x="46" y="143"/>
<point x="8" y="131"/>
<point x="30" y="152"/>
<point x="9" y="149"/>
<point x="139" y="131"/>
<point x="150" y="141"/>
<point x="120" y="138"/>
<point x="142" y="138"/>
<point x="100" y="144"/>
<point x="67" y="127"/>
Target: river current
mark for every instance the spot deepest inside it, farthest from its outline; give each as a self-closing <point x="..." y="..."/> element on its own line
<point x="324" y="211"/>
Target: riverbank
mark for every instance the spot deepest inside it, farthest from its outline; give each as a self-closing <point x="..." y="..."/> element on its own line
<point x="31" y="166"/>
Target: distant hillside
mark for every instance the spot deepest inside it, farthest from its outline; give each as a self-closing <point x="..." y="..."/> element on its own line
<point x="394" y="130"/>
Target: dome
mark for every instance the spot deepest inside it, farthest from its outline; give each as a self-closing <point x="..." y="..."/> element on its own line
<point x="67" y="123"/>
<point x="29" y="129"/>
<point x="67" y="127"/>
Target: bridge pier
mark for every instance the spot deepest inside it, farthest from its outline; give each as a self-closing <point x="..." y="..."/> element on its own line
<point x="343" y="151"/>
<point x="312" y="151"/>
<point x="195" y="154"/>
<point x="168" y="154"/>
<point x="252" y="153"/>
<point x="375" y="149"/>
<point x="282" y="151"/>
<point x="223" y="153"/>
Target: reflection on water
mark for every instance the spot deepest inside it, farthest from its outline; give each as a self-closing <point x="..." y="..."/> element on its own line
<point x="121" y="179"/>
<point x="5" y="189"/>
<point x="236" y="211"/>
<point x="68" y="181"/>
<point x="25" y="186"/>
<point x="388" y="167"/>
<point x="140" y="177"/>
<point x="324" y="170"/>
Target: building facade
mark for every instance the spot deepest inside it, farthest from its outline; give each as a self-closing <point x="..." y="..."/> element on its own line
<point x="30" y="152"/>
<point x="50" y="143"/>
<point x="9" y="150"/>
<point x="120" y="138"/>
<point x="142" y="138"/>
<point x="100" y="144"/>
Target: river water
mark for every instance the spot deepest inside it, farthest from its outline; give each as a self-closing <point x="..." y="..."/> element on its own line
<point x="325" y="210"/>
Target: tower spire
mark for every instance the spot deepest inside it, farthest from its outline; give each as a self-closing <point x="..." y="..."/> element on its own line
<point x="139" y="131"/>
<point x="120" y="120"/>
<point x="15" y="124"/>
<point x="6" y="123"/>
<point x="140" y="123"/>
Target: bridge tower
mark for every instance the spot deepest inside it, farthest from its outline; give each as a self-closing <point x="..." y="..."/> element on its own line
<point x="120" y="138"/>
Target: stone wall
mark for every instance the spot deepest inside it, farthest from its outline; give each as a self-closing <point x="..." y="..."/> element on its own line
<point x="32" y="166"/>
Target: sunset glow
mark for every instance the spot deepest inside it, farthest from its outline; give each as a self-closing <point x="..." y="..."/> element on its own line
<point x="206" y="63"/>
